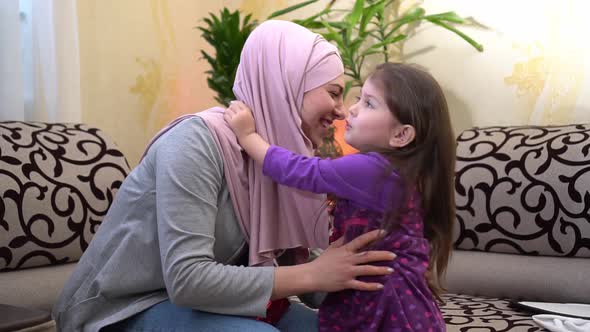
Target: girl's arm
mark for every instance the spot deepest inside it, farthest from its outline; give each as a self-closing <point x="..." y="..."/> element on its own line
<point x="359" y="177"/>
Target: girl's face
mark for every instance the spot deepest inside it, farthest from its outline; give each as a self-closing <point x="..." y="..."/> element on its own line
<point x="321" y="106"/>
<point x="370" y="123"/>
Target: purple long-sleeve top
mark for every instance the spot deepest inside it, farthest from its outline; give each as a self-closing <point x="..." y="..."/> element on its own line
<point x="365" y="179"/>
<point x="367" y="187"/>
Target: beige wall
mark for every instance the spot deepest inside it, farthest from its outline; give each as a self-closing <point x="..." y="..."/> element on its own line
<point x="141" y="67"/>
<point x="535" y="68"/>
<point x="141" y="64"/>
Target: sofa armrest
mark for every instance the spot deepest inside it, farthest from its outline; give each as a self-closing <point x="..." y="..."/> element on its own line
<point x="57" y="181"/>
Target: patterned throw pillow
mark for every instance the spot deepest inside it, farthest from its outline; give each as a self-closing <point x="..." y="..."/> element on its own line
<point x="524" y="190"/>
<point x="57" y="182"/>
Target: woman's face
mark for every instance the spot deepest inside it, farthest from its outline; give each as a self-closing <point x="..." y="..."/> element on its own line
<point x="321" y="106"/>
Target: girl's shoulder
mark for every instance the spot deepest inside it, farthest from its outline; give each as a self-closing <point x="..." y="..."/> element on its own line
<point x="374" y="161"/>
<point x="367" y="169"/>
<point x="359" y="161"/>
<point x="378" y="158"/>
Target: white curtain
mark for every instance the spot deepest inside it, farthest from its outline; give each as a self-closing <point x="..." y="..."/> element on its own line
<point x="40" y="61"/>
<point x="11" y="78"/>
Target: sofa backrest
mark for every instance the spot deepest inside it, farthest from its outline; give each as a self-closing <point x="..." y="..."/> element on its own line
<point x="524" y="190"/>
<point x="57" y="182"/>
<point x="523" y="222"/>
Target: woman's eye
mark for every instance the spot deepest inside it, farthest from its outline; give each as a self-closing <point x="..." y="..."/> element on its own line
<point x="334" y="94"/>
<point x="357" y="98"/>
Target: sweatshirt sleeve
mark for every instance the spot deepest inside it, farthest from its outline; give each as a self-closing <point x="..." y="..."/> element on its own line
<point x="358" y="177"/>
<point x="189" y="177"/>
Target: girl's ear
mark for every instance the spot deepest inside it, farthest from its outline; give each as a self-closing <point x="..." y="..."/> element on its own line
<point x="401" y="136"/>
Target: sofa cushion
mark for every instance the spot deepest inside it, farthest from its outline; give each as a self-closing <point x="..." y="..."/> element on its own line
<point x="524" y="190"/>
<point x="18" y="319"/>
<point x="466" y="313"/>
<point x="36" y="288"/>
<point x="57" y="182"/>
<point x="519" y="277"/>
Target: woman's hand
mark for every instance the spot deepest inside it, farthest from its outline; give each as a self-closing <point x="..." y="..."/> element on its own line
<point x="339" y="265"/>
<point x="336" y="269"/>
<point x="240" y="119"/>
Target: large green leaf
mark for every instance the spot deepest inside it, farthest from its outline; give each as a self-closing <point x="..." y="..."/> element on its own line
<point x="355" y="15"/>
<point x="369" y="13"/>
<point x="448" y="16"/>
<point x="465" y="37"/>
<point x="414" y="15"/>
<point x="290" y="9"/>
<point x="312" y="25"/>
<point x="333" y="35"/>
<point x="312" y="19"/>
<point x="387" y="41"/>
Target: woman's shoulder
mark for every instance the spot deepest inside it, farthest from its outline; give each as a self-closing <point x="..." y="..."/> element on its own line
<point x="190" y="140"/>
<point x="191" y="126"/>
<point x="190" y="133"/>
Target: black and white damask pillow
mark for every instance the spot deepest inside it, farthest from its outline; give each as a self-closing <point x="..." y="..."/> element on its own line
<point x="57" y="182"/>
<point x="524" y="190"/>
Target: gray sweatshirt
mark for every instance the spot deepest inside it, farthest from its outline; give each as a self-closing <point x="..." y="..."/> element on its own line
<point x="171" y="233"/>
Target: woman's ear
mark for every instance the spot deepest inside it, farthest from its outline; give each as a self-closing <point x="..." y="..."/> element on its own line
<point x="402" y="136"/>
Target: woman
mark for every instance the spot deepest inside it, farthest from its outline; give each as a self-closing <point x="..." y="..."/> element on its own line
<point x="168" y="254"/>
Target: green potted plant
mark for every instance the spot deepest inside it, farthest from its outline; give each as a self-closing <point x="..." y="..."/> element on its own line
<point x="227" y="33"/>
<point x="372" y="28"/>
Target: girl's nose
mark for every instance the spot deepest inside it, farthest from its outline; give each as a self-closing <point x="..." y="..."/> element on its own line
<point x="352" y="110"/>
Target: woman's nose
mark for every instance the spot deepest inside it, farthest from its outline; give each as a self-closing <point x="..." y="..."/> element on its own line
<point x="339" y="112"/>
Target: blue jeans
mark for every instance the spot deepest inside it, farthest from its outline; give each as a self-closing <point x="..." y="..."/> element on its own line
<point x="167" y="317"/>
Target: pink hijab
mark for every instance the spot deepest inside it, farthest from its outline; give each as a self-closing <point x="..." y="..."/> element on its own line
<point x="279" y="63"/>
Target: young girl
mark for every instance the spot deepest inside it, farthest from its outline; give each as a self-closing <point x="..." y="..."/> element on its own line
<point x="401" y="182"/>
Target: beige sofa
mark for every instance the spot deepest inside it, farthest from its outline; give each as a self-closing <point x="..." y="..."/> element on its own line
<point x="56" y="183"/>
<point x="523" y="224"/>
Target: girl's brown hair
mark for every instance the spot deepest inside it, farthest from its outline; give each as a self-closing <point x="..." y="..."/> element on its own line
<point x="428" y="162"/>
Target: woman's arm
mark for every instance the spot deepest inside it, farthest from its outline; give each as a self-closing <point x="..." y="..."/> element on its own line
<point x="189" y="179"/>
<point x="335" y="269"/>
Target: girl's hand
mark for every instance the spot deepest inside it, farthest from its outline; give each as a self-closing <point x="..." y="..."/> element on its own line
<point x="240" y="119"/>
<point x="339" y="265"/>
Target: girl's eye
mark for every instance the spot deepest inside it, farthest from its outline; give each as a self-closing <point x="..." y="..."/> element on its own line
<point x="368" y="104"/>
